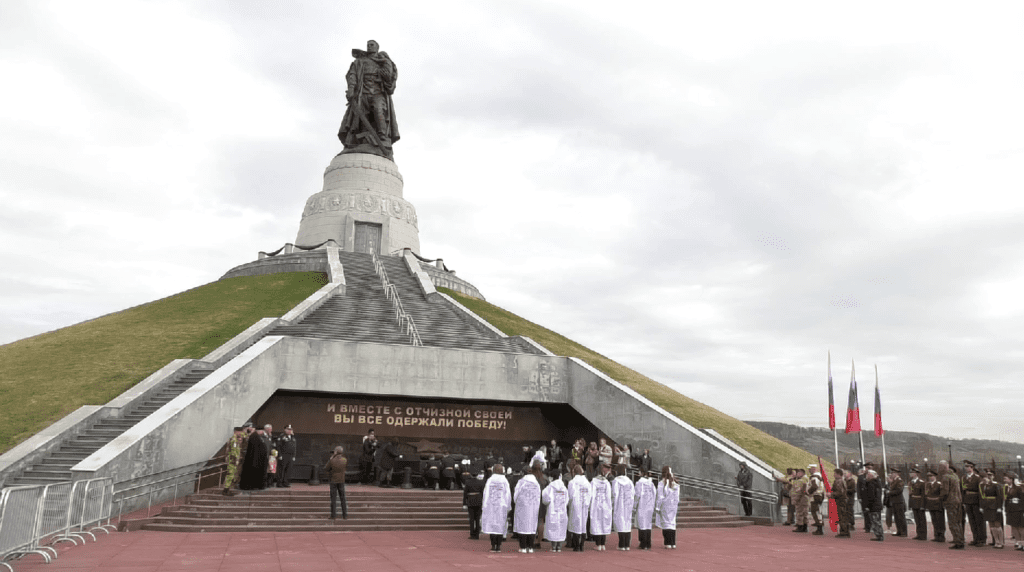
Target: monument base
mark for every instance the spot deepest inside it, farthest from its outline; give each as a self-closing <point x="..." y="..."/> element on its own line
<point x="361" y="208"/>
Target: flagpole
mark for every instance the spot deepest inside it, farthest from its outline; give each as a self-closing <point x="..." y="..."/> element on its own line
<point x="884" y="466"/>
<point x="861" y="435"/>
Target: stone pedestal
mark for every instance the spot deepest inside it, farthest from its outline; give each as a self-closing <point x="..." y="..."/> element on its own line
<point x="361" y="204"/>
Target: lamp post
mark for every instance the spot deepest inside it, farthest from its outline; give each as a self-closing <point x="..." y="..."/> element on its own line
<point x="1018" y="465"/>
<point x="950" y="445"/>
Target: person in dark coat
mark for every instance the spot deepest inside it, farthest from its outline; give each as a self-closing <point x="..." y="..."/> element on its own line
<point x="255" y="464"/>
<point x="895" y="504"/>
<point x="366" y="460"/>
<point x="287" y="448"/>
<point x="871" y="503"/>
<point x="916" y="488"/>
<point x="431" y="473"/>
<point x="448" y="479"/>
<point x="473" y="501"/>
<point x="744" y="480"/>
<point x="386" y="462"/>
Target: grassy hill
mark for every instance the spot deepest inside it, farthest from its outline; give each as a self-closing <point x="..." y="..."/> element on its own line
<point x="45" y="377"/>
<point x="773" y="451"/>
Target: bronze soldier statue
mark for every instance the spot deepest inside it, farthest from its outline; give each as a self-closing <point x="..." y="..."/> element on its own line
<point x="369" y="125"/>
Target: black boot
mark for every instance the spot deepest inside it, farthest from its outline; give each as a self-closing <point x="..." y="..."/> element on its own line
<point x="818" y="531"/>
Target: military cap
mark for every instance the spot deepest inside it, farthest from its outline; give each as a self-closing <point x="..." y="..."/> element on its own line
<point x="968" y="463"/>
<point x="247" y="425"/>
<point x="915" y="470"/>
<point x="933" y="473"/>
<point x="238" y="429"/>
<point x="894" y="470"/>
<point x="288" y="427"/>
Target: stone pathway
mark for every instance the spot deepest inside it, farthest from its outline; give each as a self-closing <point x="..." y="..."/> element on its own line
<point x="754" y="548"/>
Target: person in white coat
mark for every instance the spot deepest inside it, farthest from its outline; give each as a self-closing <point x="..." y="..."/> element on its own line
<point x="556" y="521"/>
<point x="666" y="505"/>
<point x="527" y="499"/>
<point x="622" y="506"/>
<point x="645" y="495"/>
<point x="579" y="508"/>
<point x="496" y="504"/>
<point x="601" y="507"/>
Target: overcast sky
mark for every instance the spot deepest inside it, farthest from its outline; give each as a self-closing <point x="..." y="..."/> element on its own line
<point x="713" y="193"/>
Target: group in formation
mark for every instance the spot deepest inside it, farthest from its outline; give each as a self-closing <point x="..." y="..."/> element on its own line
<point x="571" y="509"/>
<point x="987" y="505"/>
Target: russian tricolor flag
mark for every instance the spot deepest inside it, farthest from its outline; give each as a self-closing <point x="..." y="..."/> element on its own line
<point x="853" y="407"/>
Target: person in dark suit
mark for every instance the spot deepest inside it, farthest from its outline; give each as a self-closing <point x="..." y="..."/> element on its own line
<point x="871" y="503"/>
<point x="472" y="501"/>
<point x="933" y="504"/>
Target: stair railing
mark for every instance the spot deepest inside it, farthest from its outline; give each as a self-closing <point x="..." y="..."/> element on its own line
<point x="405" y="321"/>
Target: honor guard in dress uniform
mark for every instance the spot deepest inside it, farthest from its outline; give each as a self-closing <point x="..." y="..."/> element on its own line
<point x="851" y="490"/>
<point x="801" y="502"/>
<point x="970" y="482"/>
<point x="287" y="448"/>
<point x="816" y="494"/>
<point x="235" y="452"/>
<point x="916" y="490"/>
<point x="933" y="504"/>
<point x="473" y="501"/>
<point x="842" y="504"/>
<point x="952" y="501"/>
<point x="991" y="504"/>
<point x="896" y="505"/>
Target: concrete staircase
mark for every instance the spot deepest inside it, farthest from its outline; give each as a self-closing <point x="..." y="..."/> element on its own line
<point x="56" y="466"/>
<point x="304" y="508"/>
<point x="363" y="314"/>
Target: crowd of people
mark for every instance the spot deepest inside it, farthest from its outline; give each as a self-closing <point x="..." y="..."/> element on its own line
<point x="570" y="509"/>
<point x="256" y="460"/>
<point x="951" y="500"/>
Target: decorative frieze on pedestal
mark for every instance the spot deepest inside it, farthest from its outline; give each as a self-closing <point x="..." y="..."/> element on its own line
<point x="360" y="206"/>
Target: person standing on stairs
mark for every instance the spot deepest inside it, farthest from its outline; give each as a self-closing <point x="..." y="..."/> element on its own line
<point x="335" y="470"/>
<point x="235" y="453"/>
<point x="287" y="447"/>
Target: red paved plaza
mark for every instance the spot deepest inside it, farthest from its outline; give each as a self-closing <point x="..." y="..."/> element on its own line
<point x="753" y="548"/>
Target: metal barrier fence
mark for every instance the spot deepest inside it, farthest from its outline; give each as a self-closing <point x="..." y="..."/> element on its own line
<point x="34" y="518"/>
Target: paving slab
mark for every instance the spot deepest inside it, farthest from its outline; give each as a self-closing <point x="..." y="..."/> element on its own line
<point x="754" y="548"/>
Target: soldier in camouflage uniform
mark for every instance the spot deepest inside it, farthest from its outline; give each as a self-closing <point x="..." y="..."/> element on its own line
<point x="801" y="502"/>
<point x="235" y="453"/>
<point x="816" y="495"/>
<point x="842" y="504"/>
<point x="952" y="501"/>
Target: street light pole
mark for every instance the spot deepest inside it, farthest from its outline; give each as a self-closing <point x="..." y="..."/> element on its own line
<point x="950" y="445"/>
<point x="1018" y="466"/>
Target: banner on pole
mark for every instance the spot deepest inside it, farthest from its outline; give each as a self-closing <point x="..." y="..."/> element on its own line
<point x="833" y="510"/>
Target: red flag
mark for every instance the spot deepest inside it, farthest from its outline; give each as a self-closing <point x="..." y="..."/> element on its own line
<point x="833" y="510"/>
<point x="878" y="408"/>
<point x="831" y="401"/>
<point x="853" y="407"/>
